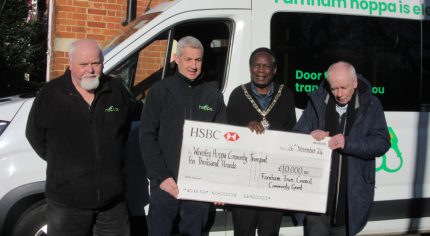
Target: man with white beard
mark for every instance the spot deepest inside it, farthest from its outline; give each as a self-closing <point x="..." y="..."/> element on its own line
<point x="79" y="123"/>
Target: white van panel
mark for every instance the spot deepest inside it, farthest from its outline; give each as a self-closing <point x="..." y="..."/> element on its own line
<point x="19" y="165"/>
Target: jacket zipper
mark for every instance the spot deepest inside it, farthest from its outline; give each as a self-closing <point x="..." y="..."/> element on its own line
<point x="94" y="132"/>
<point x="189" y="102"/>
<point x="339" y="173"/>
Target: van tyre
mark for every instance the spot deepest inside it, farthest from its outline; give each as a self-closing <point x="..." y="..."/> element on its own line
<point x="32" y="222"/>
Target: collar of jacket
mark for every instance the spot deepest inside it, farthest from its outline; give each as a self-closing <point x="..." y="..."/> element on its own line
<point x="179" y="86"/>
<point x="190" y="82"/>
<point x="69" y="88"/>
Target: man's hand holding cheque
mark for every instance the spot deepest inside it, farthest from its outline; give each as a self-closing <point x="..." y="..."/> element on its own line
<point x="335" y="142"/>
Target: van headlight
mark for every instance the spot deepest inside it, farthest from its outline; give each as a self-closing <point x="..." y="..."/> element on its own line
<point x="3" y="125"/>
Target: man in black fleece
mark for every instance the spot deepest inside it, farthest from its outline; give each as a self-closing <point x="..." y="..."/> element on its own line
<point x="79" y="124"/>
<point x="169" y="103"/>
<point x="260" y="104"/>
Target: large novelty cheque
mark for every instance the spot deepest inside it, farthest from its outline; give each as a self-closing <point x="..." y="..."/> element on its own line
<point x="230" y="164"/>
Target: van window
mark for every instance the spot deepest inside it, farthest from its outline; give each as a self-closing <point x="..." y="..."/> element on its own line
<point x="387" y="51"/>
<point x="155" y="60"/>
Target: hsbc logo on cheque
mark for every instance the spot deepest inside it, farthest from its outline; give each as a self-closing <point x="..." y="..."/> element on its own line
<point x="231" y="136"/>
<point x="213" y="134"/>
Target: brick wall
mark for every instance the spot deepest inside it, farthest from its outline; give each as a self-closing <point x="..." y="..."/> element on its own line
<point x="79" y="19"/>
<point x="151" y="60"/>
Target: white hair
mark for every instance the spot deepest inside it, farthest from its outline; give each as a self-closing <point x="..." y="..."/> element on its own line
<point x="188" y="42"/>
<point x="343" y="64"/>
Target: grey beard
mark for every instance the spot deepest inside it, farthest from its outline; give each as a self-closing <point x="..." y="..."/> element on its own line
<point x="90" y="82"/>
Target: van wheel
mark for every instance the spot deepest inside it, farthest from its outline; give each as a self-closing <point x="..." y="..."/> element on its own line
<point x="32" y="221"/>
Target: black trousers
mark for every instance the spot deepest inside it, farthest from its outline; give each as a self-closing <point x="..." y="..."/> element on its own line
<point x="247" y="219"/>
<point x="163" y="210"/>
<point x="68" y="221"/>
<point x="320" y="225"/>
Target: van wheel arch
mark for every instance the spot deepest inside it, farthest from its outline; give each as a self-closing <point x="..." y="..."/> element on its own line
<point x="16" y="203"/>
<point x="32" y="222"/>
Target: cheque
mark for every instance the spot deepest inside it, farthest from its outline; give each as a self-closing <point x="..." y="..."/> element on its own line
<point x="230" y="164"/>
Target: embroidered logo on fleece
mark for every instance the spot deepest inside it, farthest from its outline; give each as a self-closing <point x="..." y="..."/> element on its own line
<point x="205" y="108"/>
<point x="112" y="109"/>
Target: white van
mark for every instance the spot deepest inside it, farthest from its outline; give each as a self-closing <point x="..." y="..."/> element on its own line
<point x="388" y="41"/>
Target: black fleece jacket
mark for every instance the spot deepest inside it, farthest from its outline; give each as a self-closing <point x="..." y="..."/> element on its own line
<point x="167" y="105"/>
<point x="83" y="145"/>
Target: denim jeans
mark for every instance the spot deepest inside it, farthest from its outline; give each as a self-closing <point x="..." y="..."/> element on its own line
<point x="67" y="221"/>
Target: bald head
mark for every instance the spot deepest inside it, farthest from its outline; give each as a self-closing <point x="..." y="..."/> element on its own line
<point x="83" y="45"/>
<point x="342" y="67"/>
<point x="343" y="81"/>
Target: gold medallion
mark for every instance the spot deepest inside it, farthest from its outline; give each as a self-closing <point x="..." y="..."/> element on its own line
<point x="264" y="122"/>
